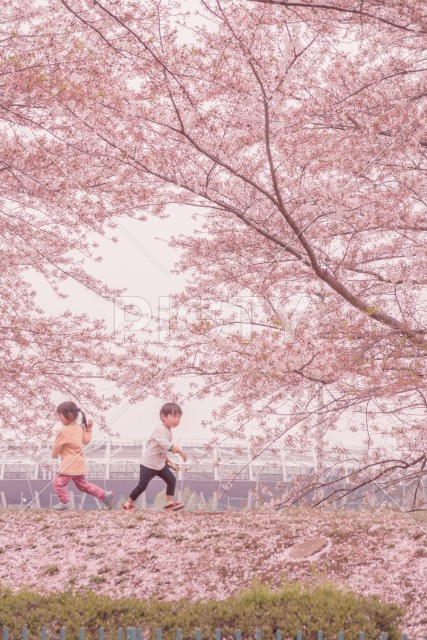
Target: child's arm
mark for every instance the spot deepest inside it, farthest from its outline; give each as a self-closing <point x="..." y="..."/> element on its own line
<point x="57" y="445"/>
<point x="87" y="433"/>
<point x="165" y="443"/>
<point x="176" y="449"/>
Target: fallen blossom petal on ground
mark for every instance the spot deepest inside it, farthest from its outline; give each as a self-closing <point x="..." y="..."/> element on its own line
<point x="204" y="556"/>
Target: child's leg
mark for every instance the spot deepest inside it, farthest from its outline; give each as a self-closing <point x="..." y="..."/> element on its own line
<point x="170" y="479"/>
<point x="83" y="485"/>
<point x="60" y="486"/>
<point x="145" y="475"/>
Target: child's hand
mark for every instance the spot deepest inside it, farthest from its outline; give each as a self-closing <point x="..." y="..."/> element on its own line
<point x="89" y="424"/>
<point x="183" y="456"/>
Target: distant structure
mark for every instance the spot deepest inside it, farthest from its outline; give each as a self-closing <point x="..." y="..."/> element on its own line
<point x="26" y="476"/>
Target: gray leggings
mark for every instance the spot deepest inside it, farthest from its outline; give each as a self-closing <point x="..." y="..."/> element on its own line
<point x="146" y="474"/>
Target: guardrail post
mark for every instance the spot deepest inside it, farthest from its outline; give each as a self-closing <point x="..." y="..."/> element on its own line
<point x="136" y="633"/>
<point x="131" y="633"/>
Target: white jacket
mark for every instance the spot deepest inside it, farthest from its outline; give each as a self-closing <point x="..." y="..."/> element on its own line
<point x="159" y="444"/>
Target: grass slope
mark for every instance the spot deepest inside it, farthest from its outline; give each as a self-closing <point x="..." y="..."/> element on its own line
<point x="200" y="556"/>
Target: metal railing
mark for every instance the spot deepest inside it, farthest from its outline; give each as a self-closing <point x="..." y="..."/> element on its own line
<point x="138" y="633"/>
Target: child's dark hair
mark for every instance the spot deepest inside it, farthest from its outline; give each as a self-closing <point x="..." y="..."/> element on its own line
<point x="171" y="409"/>
<point x="70" y="411"/>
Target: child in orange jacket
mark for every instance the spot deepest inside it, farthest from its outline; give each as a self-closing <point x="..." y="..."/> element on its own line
<point x="69" y="443"/>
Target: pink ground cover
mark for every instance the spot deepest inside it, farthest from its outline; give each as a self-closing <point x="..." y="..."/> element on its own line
<point x="212" y="555"/>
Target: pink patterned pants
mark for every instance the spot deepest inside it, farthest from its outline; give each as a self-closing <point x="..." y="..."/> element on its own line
<point x="60" y="485"/>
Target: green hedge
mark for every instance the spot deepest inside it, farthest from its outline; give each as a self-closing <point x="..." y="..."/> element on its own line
<point x="291" y="608"/>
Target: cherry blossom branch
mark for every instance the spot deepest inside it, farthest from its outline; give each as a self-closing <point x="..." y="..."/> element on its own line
<point x="359" y="11"/>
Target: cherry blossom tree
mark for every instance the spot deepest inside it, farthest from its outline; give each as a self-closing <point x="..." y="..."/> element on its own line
<point x="68" y="354"/>
<point x="46" y="231"/>
<point x="296" y="132"/>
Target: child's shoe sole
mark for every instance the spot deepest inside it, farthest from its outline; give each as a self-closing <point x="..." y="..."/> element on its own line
<point x="174" y="506"/>
<point x="62" y="506"/>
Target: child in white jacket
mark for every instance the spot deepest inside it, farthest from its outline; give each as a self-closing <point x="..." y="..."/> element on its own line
<point x="155" y="461"/>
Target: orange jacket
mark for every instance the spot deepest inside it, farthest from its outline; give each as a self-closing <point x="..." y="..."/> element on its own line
<point x="69" y="443"/>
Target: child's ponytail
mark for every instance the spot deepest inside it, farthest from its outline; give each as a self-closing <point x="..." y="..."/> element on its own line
<point x="84" y="421"/>
<point x="70" y="411"/>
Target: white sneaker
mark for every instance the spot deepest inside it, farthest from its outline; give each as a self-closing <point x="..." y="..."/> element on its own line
<point x="62" y="506"/>
<point x="108" y="500"/>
